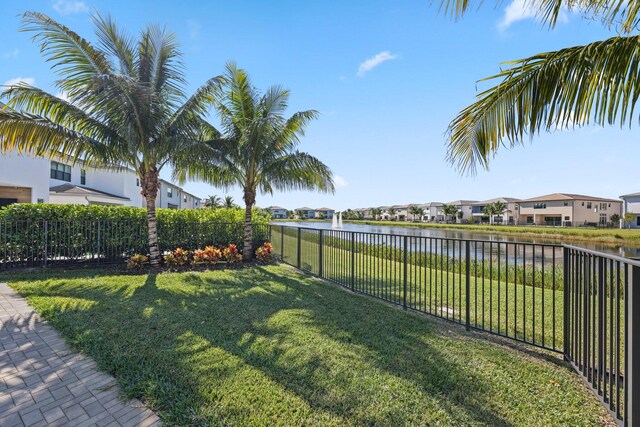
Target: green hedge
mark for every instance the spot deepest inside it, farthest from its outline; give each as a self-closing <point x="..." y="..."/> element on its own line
<point x="33" y="233"/>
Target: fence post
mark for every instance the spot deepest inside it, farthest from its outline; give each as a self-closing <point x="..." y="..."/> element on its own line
<point x="282" y="242"/>
<point x="320" y="243"/>
<point x="98" y="245"/>
<point x="405" y="246"/>
<point x="566" y="299"/>
<point x="353" y="262"/>
<point x="467" y="282"/>
<point x="632" y="347"/>
<point x="46" y="239"/>
<point x="299" y="246"/>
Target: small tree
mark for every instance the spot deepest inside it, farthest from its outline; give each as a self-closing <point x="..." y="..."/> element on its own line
<point x="413" y="211"/>
<point x="321" y="215"/>
<point x="229" y="203"/>
<point x="420" y="213"/>
<point x="213" y="202"/>
<point x="376" y="212"/>
<point x="628" y="218"/>
<point x="449" y="212"/>
<point x="392" y="213"/>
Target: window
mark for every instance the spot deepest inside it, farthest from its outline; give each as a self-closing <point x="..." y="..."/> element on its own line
<point x="169" y="192"/>
<point x="566" y="203"/>
<point x="185" y="198"/>
<point x="603" y="218"/>
<point x="566" y="218"/>
<point x="539" y="206"/>
<point x="170" y="206"/>
<point x="638" y="220"/>
<point x="83" y="177"/>
<point x="603" y="206"/>
<point x="60" y="171"/>
<point x="529" y="220"/>
<point x="137" y="182"/>
<point x="40" y="200"/>
<point x="588" y="205"/>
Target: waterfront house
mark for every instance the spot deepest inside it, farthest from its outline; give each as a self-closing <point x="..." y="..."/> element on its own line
<point x="277" y="212"/>
<point x="326" y="213"/>
<point x="507" y="217"/>
<point x="464" y="209"/>
<point x="306" y="212"/>
<point x="631" y="204"/>
<point x="565" y="209"/>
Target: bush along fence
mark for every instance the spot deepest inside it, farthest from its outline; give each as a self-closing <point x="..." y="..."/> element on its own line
<point x="44" y="235"/>
<point x="582" y="304"/>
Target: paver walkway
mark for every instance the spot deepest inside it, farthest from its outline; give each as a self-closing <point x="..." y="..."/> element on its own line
<point x="42" y="382"/>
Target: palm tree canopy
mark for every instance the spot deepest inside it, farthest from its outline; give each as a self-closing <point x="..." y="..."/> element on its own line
<point x="597" y="83"/>
<point x="124" y="100"/>
<point x="257" y="149"/>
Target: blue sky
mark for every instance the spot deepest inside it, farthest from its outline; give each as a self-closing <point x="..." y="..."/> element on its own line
<point x="388" y="77"/>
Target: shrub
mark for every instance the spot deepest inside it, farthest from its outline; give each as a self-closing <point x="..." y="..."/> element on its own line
<point x="208" y="255"/>
<point x="231" y="254"/>
<point x="265" y="252"/>
<point x="177" y="258"/>
<point x="137" y="261"/>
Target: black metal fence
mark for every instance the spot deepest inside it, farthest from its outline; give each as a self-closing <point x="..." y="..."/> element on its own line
<point x="72" y="243"/>
<point x="561" y="298"/>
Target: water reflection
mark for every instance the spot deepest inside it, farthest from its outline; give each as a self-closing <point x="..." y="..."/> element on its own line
<point x="620" y="250"/>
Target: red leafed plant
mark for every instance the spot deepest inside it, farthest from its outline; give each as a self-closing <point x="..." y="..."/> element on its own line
<point x="208" y="255"/>
<point x="265" y="252"/>
<point x="231" y="254"/>
<point x="177" y="258"/>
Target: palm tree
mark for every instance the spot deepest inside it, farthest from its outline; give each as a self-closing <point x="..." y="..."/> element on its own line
<point x="125" y="105"/>
<point x="449" y="211"/>
<point x="490" y="211"/>
<point x="570" y="87"/>
<point x="376" y="212"/>
<point x="499" y="207"/>
<point x="228" y="202"/>
<point x="420" y="213"/>
<point x="413" y="211"/>
<point x="392" y="213"/>
<point x="257" y="148"/>
<point x="213" y="202"/>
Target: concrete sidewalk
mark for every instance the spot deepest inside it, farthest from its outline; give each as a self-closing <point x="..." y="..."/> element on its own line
<point x="44" y="383"/>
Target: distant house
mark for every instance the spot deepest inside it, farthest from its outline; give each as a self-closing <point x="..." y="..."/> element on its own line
<point x="565" y="209"/>
<point x="631" y="204"/>
<point x="277" y="212"/>
<point x="464" y="209"/>
<point x="305" y="212"/>
<point x="326" y="213"/>
<point x="509" y="216"/>
<point x="433" y="212"/>
<point x="402" y="212"/>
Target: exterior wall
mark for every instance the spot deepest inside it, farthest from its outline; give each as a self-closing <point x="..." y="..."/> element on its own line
<point x="278" y="213"/>
<point x="164" y="200"/>
<point x="570" y="212"/>
<point x="327" y="214"/>
<point x="66" y="199"/>
<point x="632" y="205"/>
<point x="28" y="172"/>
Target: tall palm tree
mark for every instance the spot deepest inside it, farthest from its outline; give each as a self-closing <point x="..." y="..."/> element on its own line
<point x="596" y="83"/>
<point x="449" y="211"/>
<point x="376" y="212"/>
<point x="213" y="202"/>
<point x="413" y="211"/>
<point x="392" y="213"/>
<point x="420" y="213"/>
<point x="257" y="148"/>
<point x="490" y="211"/>
<point x="229" y="203"/>
<point x="499" y="208"/>
<point x="125" y="105"/>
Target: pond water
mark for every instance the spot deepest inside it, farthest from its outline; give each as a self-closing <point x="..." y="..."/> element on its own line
<point x="620" y="250"/>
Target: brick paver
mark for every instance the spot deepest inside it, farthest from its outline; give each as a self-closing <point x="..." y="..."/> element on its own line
<point x="42" y="382"/>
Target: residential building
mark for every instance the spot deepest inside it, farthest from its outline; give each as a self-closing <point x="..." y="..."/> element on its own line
<point x="433" y="212"/>
<point x="306" y="212"/>
<point x="509" y="216"/>
<point x="402" y="212"/>
<point x="464" y="209"/>
<point x="326" y="213"/>
<point x="565" y="209"/>
<point x="277" y="212"/>
<point x="631" y="204"/>
<point x="25" y="179"/>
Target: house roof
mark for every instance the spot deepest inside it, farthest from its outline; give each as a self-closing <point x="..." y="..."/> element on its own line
<point x="630" y="195"/>
<point x="76" y="190"/>
<point x="305" y="209"/>
<point x="568" y="196"/>
<point x="497" y="199"/>
<point x="462" y="202"/>
<point x="276" y="208"/>
<point x="324" y="209"/>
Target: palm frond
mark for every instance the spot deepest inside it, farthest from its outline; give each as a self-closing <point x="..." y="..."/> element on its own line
<point x="297" y="171"/>
<point x="600" y="83"/>
<point x="115" y="42"/>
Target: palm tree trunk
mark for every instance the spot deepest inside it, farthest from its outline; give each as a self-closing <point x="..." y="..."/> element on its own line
<point x="149" y="183"/>
<point x="247" y="247"/>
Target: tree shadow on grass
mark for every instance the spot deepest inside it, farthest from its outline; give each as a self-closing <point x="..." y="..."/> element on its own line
<point x="172" y="338"/>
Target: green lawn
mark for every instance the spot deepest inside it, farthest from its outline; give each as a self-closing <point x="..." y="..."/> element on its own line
<point x="270" y="346"/>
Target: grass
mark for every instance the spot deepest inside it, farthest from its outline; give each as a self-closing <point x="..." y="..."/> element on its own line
<point x="611" y="236"/>
<point x="270" y="346"/>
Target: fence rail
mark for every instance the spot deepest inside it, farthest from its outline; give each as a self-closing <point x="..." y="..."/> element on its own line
<point x="580" y="303"/>
<point x="25" y="244"/>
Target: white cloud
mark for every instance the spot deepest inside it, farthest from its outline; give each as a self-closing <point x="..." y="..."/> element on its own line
<point x="28" y="80"/>
<point x="12" y="54"/>
<point x="69" y="7"/>
<point x="374" y="61"/>
<point x="340" y="182"/>
<point x="519" y="10"/>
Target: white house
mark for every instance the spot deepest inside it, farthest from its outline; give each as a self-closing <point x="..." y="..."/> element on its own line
<point x="327" y="213"/>
<point x="306" y="212"/>
<point x="631" y="204"/>
<point x="26" y="179"/>
<point x="509" y="216"/>
<point x="277" y="212"/>
<point x="464" y="209"/>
